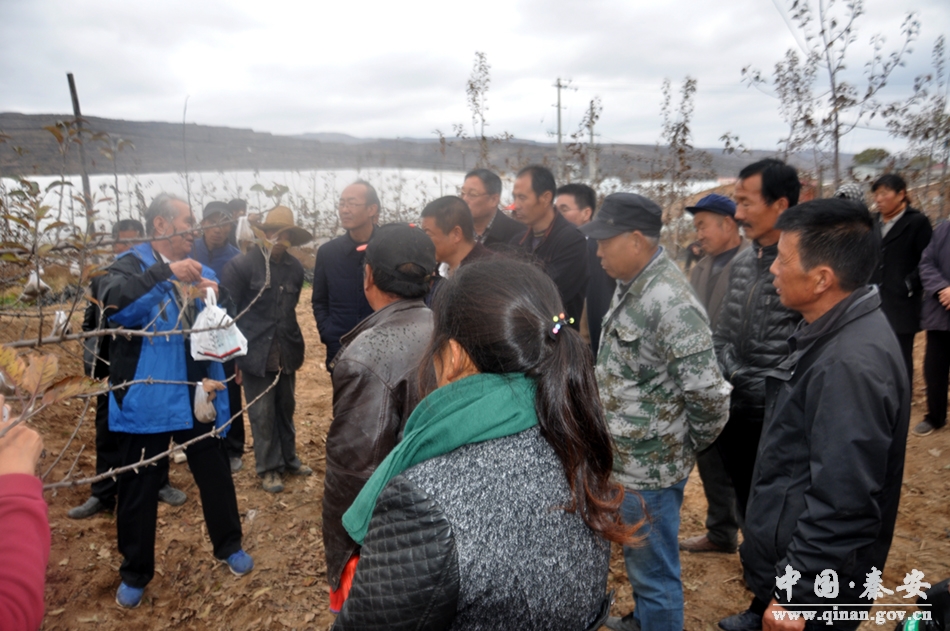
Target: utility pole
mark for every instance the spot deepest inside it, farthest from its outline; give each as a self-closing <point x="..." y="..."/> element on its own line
<point x="591" y="152"/>
<point x="560" y="148"/>
<point x="184" y="149"/>
<point x="86" y="193"/>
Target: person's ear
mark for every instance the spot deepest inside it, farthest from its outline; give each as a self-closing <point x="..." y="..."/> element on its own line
<point x="781" y="204"/>
<point x="546" y="198"/>
<point x="825" y="279"/>
<point x="456" y="235"/>
<point x="588" y="214"/>
<point x="456" y="363"/>
<point x="367" y="278"/>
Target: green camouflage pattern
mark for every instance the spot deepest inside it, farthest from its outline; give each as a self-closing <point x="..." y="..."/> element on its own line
<point x="659" y="381"/>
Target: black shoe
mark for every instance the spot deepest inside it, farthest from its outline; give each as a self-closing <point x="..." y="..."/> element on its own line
<point x="92" y="506"/>
<point x="171" y="496"/>
<point x="627" y="623"/>
<point x="745" y="621"/>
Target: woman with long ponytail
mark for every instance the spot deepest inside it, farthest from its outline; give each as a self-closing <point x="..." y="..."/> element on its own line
<point x="496" y="510"/>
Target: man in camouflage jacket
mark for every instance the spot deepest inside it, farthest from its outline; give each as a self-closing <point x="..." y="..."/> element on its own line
<point x="663" y="396"/>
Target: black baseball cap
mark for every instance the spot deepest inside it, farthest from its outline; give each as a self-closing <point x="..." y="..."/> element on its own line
<point x="394" y="245"/>
<point x="625" y="212"/>
<point x="215" y="208"/>
<point x="714" y="203"/>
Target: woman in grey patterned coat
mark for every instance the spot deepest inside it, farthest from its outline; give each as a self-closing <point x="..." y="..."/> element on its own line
<point x="496" y="510"/>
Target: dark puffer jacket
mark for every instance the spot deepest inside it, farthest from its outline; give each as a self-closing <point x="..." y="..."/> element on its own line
<point x="478" y="539"/>
<point x="752" y="335"/>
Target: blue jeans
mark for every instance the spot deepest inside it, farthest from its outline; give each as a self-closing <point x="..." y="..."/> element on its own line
<point x="654" y="567"/>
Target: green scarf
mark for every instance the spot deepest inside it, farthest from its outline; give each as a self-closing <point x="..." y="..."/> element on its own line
<point x="471" y="410"/>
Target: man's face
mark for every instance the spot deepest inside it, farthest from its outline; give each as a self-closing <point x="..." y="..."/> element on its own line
<point x="216" y="229"/>
<point x="445" y="245"/>
<point x="180" y="231"/>
<point x="354" y="211"/>
<point x="714" y="232"/>
<point x="620" y="255"/>
<point x="278" y="242"/>
<point x="888" y="201"/>
<point x="567" y="206"/>
<point x="479" y="201"/>
<point x="119" y="248"/>
<point x="752" y="212"/>
<point x="529" y="208"/>
<point x="795" y="285"/>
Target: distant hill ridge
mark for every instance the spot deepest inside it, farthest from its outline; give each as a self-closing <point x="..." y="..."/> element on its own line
<point x="158" y="149"/>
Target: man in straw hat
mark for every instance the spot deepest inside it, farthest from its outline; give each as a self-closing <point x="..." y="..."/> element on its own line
<point x="275" y="346"/>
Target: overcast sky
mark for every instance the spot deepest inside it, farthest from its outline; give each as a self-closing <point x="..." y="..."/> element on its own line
<point x="388" y="69"/>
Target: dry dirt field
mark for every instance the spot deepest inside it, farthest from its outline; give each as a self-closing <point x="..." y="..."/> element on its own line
<point x="287" y="589"/>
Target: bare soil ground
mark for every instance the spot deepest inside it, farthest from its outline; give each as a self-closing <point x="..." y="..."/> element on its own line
<point x="287" y="589"/>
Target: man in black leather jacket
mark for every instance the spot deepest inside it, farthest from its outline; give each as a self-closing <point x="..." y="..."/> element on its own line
<point x="375" y="381"/>
<point x="751" y="337"/>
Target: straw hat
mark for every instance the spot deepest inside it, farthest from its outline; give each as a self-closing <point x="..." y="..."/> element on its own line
<point x="282" y="218"/>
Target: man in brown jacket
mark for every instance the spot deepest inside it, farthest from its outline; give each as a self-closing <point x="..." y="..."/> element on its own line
<point x="375" y="383"/>
<point x="718" y="233"/>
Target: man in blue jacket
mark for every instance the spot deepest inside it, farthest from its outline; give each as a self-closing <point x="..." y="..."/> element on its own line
<point x="214" y="250"/>
<point x="338" y="300"/>
<point x="146" y="290"/>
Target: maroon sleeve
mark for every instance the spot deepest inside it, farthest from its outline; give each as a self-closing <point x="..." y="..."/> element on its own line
<point x="24" y="551"/>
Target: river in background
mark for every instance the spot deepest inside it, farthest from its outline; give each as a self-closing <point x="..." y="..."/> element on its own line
<point x="311" y="194"/>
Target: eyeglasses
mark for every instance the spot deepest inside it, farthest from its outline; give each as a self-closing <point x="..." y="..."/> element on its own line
<point x="349" y="203"/>
<point x="471" y="195"/>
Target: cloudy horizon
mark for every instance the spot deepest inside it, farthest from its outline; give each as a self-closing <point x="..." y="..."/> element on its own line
<point x="387" y="70"/>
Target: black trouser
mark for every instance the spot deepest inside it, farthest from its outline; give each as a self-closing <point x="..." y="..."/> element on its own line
<point x="906" y="341"/>
<point x="138" y="498"/>
<point x="722" y="518"/>
<point x="234" y="441"/>
<point x="738" y="444"/>
<point x="108" y="455"/>
<point x="936" y="374"/>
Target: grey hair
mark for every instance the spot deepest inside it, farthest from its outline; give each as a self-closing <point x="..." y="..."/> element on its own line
<point x="162" y="206"/>
<point x="653" y="241"/>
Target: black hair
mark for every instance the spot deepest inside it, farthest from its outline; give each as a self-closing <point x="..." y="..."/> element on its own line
<point x="892" y="181"/>
<point x="237" y="205"/>
<point x="489" y="179"/>
<point x="127" y="225"/>
<point x="372" y="197"/>
<point x="778" y="180"/>
<point x="584" y="196"/>
<point x="415" y="281"/>
<point x="500" y="311"/>
<point x="451" y="211"/>
<point x="542" y="180"/>
<point x="838" y="233"/>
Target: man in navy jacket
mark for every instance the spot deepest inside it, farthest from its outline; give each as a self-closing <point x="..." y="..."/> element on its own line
<point x="338" y="300"/>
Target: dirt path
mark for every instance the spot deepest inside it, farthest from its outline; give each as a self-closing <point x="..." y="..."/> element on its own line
<point x="287" y="589"/>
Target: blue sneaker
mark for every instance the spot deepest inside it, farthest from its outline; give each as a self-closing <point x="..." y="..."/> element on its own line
<point x="240" y="563"/>
<point x="128" y="596"/>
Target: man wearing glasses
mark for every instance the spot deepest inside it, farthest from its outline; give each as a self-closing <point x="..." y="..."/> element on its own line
<point x="494" y="229"/>
<point x="339" y="303"/>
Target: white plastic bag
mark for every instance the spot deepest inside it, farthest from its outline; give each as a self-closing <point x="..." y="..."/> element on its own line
<point x="216" y="337"/>
<point x="243" y="233"/>
<point x="205" y="393"/>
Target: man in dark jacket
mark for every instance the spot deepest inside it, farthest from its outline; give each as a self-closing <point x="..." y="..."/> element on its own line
<point x="448" y="222"/>
<point x="338" y="300"/>
<point x="140" y="294"/>
<point x="375" y="383"/>
<point x="481" y="190"/>
<point x="551" y="239"/>
<point x="935" y="319"/>
<point x="718" y="235"/>
<point x="905" y="233"/>
<point x="95" y="364"/>
<point x="826" y="489"/>
<point x="576" y="203"/>
<point x="275" y="346"/>
<point x="753" y="329"/>
<point x="214" y="250"/>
